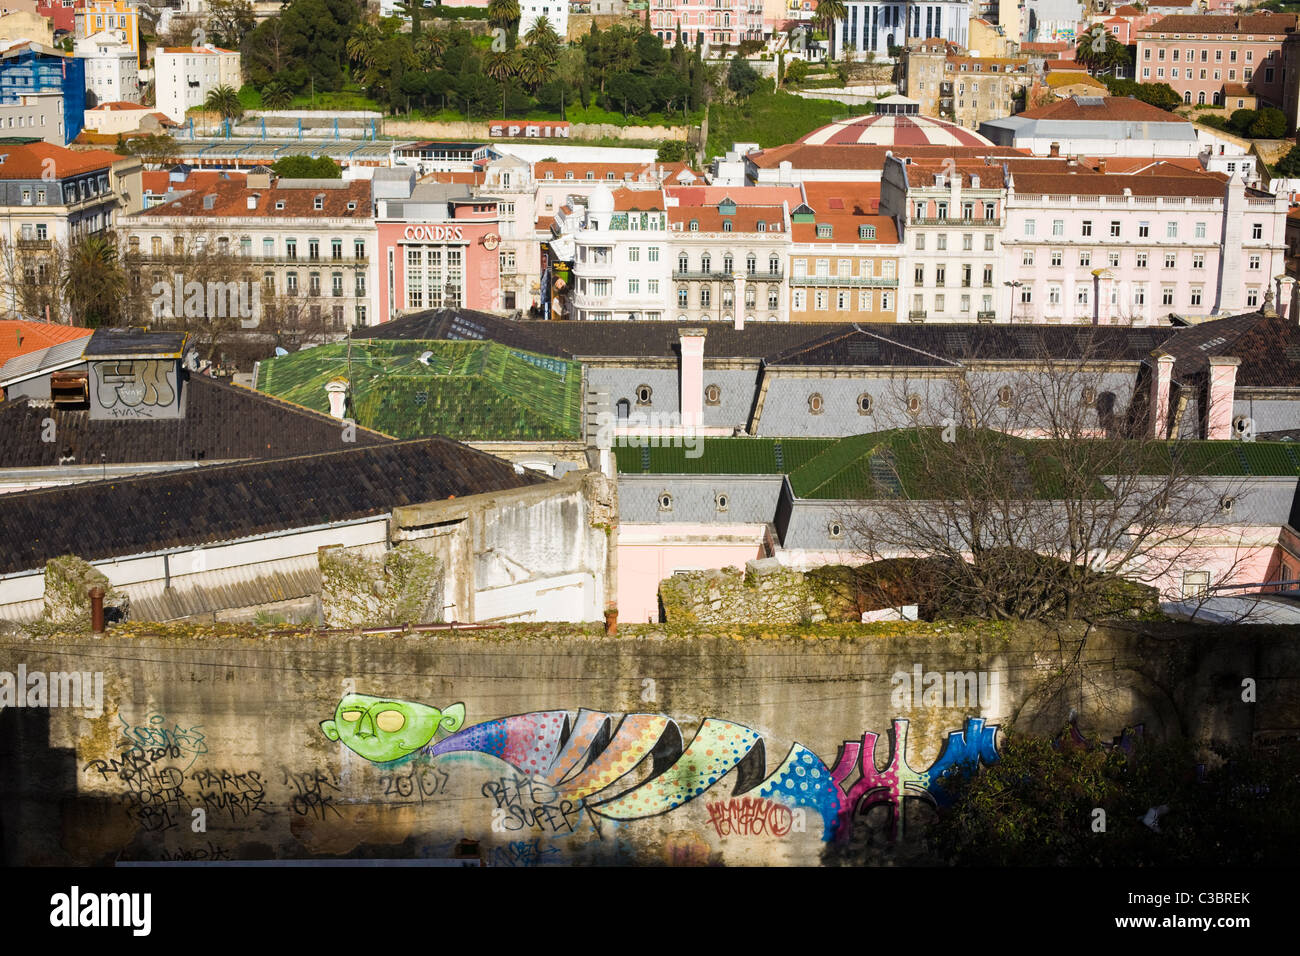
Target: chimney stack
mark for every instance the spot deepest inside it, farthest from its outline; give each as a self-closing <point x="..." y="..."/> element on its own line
<point x="1055" y="150"/>
<point x="1101" y="165"/>
<point x="1160" y="381"/>
<point x="1222" y="385"/>
<point x="692" y="384"/>
<point x="337" y="389"/>
<point x="97" y="610"/>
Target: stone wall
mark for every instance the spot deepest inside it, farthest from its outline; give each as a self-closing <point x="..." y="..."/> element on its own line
<point x="766" y="591"/>
<point x="478" y="130"/>
<point x="404" y="588"/>
<point x="233" y="743"/>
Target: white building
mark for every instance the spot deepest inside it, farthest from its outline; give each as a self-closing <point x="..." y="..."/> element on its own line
<point x="112" y="68"/>
<point x="184" y="75"/>
<point x="555" y="11"/>
<point x="877" y="25"/>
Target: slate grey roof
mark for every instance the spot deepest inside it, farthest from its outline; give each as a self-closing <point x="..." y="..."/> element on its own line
<point x="200" y="506"/>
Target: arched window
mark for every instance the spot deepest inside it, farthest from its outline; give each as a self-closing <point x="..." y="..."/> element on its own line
<point x="643" y="394"/>
<point x="706" y="262"/>
<point x="683" y="263"/>
<point x="622" y="408"/>
<point x="726" y="223"/>
<point x="865" y="404"/>
<point x="728" y="264"/>
<point x="751" y="263"/>
<point x="774" y="266"/>
<point x="1200" y="98"/>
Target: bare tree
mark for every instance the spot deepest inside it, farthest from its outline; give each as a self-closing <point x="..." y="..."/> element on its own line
<point x="31" y="271"/>
<point x="1038" y="490"/>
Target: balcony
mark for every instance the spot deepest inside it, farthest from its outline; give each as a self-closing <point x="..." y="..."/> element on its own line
<point x="705" y="276"/>
<point x="957" y="222"/>
<point x="985" y="316"/>
<point x="34" y="245"/>
<point x="845" y="282"/>
<point x="917" y="315"/>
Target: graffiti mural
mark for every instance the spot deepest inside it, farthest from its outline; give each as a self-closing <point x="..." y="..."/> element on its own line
<point x="637" y="766"/>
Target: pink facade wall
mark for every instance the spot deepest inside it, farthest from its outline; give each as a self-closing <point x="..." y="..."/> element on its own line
<point x="479" y="242"/>
<point x="730" y="23"/>
<point x="643" y="563"/>
<point x="1262" y="57"/>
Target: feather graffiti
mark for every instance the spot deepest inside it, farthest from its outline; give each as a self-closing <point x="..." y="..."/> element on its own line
<point x="637" y="766"/>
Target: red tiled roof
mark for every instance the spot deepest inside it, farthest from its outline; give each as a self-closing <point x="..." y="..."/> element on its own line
<point x="742" y="195"/>
<point x="116" y="105"/>
<point x="641" y="200"/>
<point x="922" y="172"/>
<point x="1089" y="183"/>
<point x="33" y="160"/>
<point x="1115" y="109"/>
<point x="19" y="336"/>
<point x="806" y="156"/>
<point x="1252" y="24"/>
<point x="746" y="218"/>
<point x="844" y="207"/>
<point x="231" y="199"/>
<point x="195" y="49"/>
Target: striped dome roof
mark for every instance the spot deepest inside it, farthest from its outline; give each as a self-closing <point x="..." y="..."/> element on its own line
<point x="889" y="130"/>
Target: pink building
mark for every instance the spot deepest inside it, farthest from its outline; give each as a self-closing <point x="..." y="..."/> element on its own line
<point x="438" y="250"/>
<point x="722" y="22"/>
<point x="1083" y="244"/>
<point x="1199" y="55"/>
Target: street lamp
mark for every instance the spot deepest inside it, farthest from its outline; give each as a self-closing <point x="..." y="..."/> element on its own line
<point x="1013" y="286"/>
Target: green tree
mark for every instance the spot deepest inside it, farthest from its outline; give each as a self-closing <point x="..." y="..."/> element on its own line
<point x="742" y="79"/>
<point x="502" y="66"/>
<point x="276" y="96"/>
<point x="224" y="100"/>
<point x="1288" y="166"/>
<point x="229" y="21"/>
<point x="306" y="167"/>
<point x="536" y="66"/>
<point x="154" y="149"/>
<point x="1100" y="51"/>
<point x="94" y="282"/>
<point x="672" y="151"/>
<point x="830" y="12"/>
<point x="503" y="13"/>
<point x="1270" y="123"/>
<point x="542" y="35"/>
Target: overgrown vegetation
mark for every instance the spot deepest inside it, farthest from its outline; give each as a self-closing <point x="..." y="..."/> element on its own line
<point x="772" y="118"/>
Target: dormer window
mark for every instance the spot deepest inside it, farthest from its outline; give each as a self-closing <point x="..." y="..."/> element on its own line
<point x="318" y="202"/>
<point x="590" y="174"/>
<point x="279" y="204"/>
<point x="550" y="175"/>
<point x="569" y="174"/>
<point x="726" y="225"/>
<point x="695" y="225"/>
<point x="760" y="226"/>
<point x="866" y="232"/>
<point x="352" y="207"/>
<point x="823" y="231"/>
<point x="609" y="176"/>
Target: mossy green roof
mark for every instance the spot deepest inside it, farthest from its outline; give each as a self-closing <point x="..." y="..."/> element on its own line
<point x="849" y="468"/>
<point x="464" y="390"/>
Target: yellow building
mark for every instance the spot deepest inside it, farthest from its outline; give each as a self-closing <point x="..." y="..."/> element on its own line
<point x="95" y="16"/>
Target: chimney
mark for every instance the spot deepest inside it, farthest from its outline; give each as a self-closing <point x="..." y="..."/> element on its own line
<point x="1223" y="382"/>
<point x="1101" y="165"/>
<point x="97" y="610"/>
<point x="1160" y="380"/>
<point x="692" y="384"/>
<point x="337" y="389"/>
<point x="1055" y="150"/>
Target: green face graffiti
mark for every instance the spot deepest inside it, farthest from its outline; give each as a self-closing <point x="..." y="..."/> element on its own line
<point x="382" y="730"/>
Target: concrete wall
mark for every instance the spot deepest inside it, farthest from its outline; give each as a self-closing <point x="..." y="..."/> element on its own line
<point x="745" y="728"/>
<point x="478" y="130"/>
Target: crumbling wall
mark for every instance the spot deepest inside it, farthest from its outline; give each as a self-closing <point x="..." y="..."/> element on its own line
<point x="68" y="580"/>
<point x="357" y="591"/>
<point x="766" y="592"/>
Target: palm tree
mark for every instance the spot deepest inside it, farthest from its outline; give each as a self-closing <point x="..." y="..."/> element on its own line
<point x="276" y="96"/>
<point x="501" y="66"/>
<point x="94" y="282"/>
<point x="543" y="36"/>
<point x="224" y="100"/>
<point x="363" y="42"/>
<point x="431" y="46"/>
<point x="829" y="12"/>
<point x="536" y="66"/>
<point x="1100" y="50"/>
<point x="503" y="13"/>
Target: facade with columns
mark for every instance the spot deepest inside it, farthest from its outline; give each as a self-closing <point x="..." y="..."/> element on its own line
<point x="876" y="26"/>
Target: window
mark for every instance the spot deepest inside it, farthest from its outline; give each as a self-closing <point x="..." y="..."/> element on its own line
<point x="1027" y="257"/>
<point x="815" y="403"/>
<point x="1196" y="584"/>
<point x="799" y="300"/>
<point x="751" y="264"/>
<point x="920" y="240"/>
<point x="665" y="501"/>
<point x="914" y="404"/>
<point x="835" y="529"/>
<point x="1254" y="262"/>
<point x="706" y="297"/>
<point x="990" y="210"/>
<point x="919" y="275"/>
<point x="941" y="242"/>
<point x="1167" y="295"/>
<point x="988" y="242"/>
<point x="1257" y="230"/>
<point x="1114" y="228"/>
<point x="1054" y="295"/>
<point x="683" y="264"/>
<point x="819" y="300"/>
<point x="633" y="286"/>
<point x="1058" y="227"/>
<point x="1171" y="260"/>
<point x="864" y="300"/>
<point x="652" y="286"/>
<point x="1198" y="260"/>
<point x="706" y="263"/>
<point x="720" y="501"/>
<point x="1200" y="230"/>
<point x="866" y="404"/>
<point x="1026" y="294"/>
<point x="1030" y="226"/>
<point x="1056" y="257"/>
<point x="1087" y="227"/>
<point x="695" y="225"/>
<point x="966" y="242"/>
<point x="1085" y="259"/>
<point x="866" y="232"/>
<point x="774" y="266"/>
<point x="643" y="394"/>
<point x="1141" y="260"/>
<point x="683" y="298"/>
<point x="940" y="275"/>
<point x="1252" y="298"/>
<point x="1196" y="295"/>
<point x="634" y="254"/>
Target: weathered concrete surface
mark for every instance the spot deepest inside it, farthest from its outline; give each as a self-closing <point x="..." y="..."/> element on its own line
<point x="228" y="722"/>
